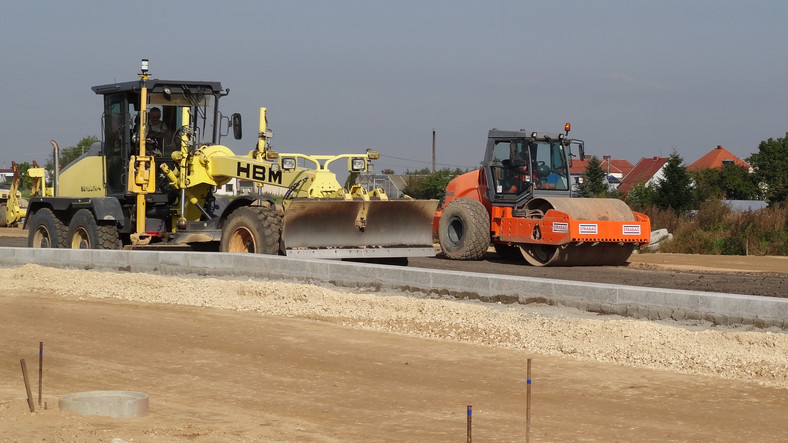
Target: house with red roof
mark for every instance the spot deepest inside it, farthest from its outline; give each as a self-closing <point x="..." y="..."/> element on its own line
<point x="616" y="169"/>
<point x="716" y="159"/>
<point x="646" y="171"/>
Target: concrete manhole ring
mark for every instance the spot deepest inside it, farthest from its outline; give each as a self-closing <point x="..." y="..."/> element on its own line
<point x="116" y="404"/>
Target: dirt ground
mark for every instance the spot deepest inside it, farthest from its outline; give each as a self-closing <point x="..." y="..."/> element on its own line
<point x="752" y="275"/>
<point x="226" y="360"/>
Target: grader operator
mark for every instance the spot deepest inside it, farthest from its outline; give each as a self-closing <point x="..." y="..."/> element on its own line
<point x="151" y="184"/>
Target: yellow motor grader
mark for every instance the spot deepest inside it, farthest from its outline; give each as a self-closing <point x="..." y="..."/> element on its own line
<point x="13" y="207"/>
<point x="151" y="182"/>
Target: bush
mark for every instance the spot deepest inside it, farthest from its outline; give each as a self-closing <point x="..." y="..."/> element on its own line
<point x="716" y="229"/>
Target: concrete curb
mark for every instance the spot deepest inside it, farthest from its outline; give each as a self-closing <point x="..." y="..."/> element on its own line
<point x="631" y="301"/>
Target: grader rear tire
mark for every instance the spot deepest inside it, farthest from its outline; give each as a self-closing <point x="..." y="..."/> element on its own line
<point x="254" y="230"/>
<point x="464" y="229"/>
<point x="46" y="230"/>
<point x="85" y="233"/>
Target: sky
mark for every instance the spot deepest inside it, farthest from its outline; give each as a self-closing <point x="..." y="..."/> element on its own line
<point x="635" y="78"/>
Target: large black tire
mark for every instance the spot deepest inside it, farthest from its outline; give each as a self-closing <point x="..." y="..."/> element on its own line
<point x="253" y="230"/>
<point x="45" y="230"/>
<point x="3" y="216"/>
<point x="464" y="229"/>
<point x="84" y="233"/>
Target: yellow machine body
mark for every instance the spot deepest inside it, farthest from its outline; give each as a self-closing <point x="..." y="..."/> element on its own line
<point x="148" y="187"/>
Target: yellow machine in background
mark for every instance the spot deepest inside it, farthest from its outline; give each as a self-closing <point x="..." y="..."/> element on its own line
<point x="151" y="183"/>
<point x="13" y="207"/>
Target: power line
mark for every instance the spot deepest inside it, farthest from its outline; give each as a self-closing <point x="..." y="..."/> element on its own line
<point x="426" y="162"/>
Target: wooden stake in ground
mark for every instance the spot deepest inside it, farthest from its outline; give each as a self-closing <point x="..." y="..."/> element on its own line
<point x="470" y="408"/>
<point x="528" y="405"/>
<point x="40" y="370"/>
<point x="27" y="387"/>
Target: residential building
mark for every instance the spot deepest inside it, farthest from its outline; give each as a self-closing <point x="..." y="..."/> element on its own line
<point x="716" y="159"/>
<point x="646" y="171"/>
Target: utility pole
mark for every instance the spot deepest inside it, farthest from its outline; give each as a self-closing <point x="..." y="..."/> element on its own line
<point x="433" y="151"/>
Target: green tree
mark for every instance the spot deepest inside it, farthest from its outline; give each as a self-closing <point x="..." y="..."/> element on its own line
<point x="737" y="183"/>
<point x="427" y="185"/>
<point x="730" y="182"/>
<point x="674" y="189"/>
<point x="68" y="155"/>
<point x="642" y="196"/>
<point x="707" y="184"/>
<point x="771" y="168"/>
<point x="25" y="181"/>
<point x="351" y="180"/>
<point x="594" y="180"/>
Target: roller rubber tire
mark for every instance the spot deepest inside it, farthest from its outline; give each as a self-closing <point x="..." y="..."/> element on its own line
<point x="464" y="229"/>
<point x="253" y="230"/>
<point x="84" y="233"/>
<point x="46" y="231"/>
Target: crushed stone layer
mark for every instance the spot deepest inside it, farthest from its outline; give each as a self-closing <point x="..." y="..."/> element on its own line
<point x="743" y="354"/>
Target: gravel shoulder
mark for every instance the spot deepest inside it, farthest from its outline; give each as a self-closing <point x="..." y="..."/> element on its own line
<point x="256" y="360"/>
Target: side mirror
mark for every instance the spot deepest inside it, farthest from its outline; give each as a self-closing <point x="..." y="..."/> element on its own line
<point x="582" y="150"/>
<point x="236" y="123"/>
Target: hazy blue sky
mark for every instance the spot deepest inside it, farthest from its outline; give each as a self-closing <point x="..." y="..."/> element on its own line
<point x="635" y="78"/>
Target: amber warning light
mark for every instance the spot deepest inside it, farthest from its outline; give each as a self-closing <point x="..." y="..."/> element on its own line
<point x="567" y="127"/>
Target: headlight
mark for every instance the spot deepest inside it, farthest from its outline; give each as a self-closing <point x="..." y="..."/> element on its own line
<point x="288" y="163"/>
<point x="357" y="164"/>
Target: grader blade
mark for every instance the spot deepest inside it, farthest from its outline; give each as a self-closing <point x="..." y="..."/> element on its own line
<point x="359" y="229"/>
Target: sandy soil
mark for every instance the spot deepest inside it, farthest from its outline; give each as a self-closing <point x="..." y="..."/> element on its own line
<point x="226" y="360"/>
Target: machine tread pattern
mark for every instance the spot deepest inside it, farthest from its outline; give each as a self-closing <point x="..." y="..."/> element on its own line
<point x="44" y="224"/>
<point x="252" y="229"/>
<point x="464" y="229"/>
<point x="108" y="237"/>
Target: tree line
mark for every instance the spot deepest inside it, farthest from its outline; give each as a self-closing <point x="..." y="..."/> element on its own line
<point x="66" y="156"/>
<point x="681" y="190"/>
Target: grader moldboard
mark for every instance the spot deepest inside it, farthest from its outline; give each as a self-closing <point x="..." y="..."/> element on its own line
<point x="152" y="185"/>
<point x="521" y="201"/>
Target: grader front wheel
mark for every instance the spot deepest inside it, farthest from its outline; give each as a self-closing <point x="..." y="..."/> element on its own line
<point x="252" y="230"/>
